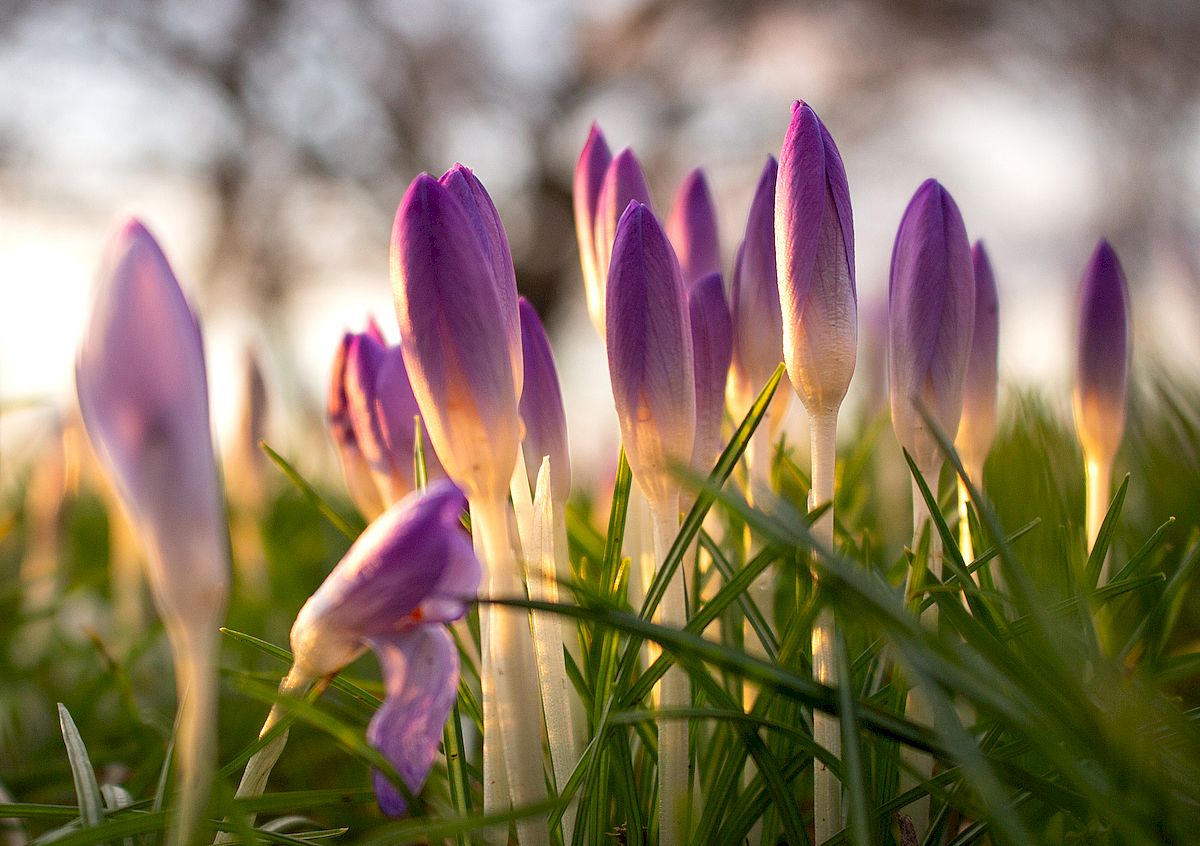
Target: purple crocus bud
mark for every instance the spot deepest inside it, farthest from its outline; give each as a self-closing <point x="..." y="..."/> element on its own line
<point x="542" y="408"/>
<point x="712" y="345"/>
<point x="977" y="429"/>
<point x="355" y="470"/>
<point x="754" y="304"/>
<point x="411" y="571"/>
<point x="397" y="411"/>
<point x="623" y="183"/>
<point x="454" y="339"/>
<point x="814" y="240"/>
<point x="692" y="227"/>
<point x="589" y="176"/>
<point x="650" y="356"/>
<point x="1102" y="360"/>
<point x="931" y="316"/>
<point x="475" y="200"/>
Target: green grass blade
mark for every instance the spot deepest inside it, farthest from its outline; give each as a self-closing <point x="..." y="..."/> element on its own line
<point x="87" y="790"/>
<point x="310" y="493"/>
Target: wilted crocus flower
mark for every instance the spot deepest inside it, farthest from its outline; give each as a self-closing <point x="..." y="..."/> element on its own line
<point x="355" y="471"/>
<point x="623" y="183"/>
<point x="692" y="227"/>
<point x="144" y="398"/>
<point x="1101" y="372"/>
<point x="454" y="332"/>
<point x="712" y="346"/>
<point x="931" y="305"/>
<point x="589" y="176"/>
<point x="542" y="411"/>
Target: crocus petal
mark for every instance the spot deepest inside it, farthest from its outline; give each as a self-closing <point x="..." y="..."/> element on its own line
<point x="420" y="676"/>
<point x="692" y="227"/>
<point x="931" y="316"/>
<point x="589" y="176"/>
<point x="413" y="564"/>
<point x="542" y="407"/>
<point x="623" y="183"/>
<point x="1102" y="361"/>
<point x="814" y="238"/>
<point x="363" y="360"/>
<point x="355" y="470"/>
<point x="397" y="411"/>
<point x="143" y="395"/>
<point x="712" y="345"/>
<point x="977" y="429"/>
<point x="650" y="353"/>
<point x="454" y="339"/>
<point x="754" y="302"/>
<point x="475" y="200"/>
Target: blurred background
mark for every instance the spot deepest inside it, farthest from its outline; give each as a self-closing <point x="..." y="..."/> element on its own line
<point x="267" y="143"/>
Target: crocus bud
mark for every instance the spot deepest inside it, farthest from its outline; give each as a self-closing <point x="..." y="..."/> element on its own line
<point x="712" y="345"/>
<point x="754" y="305"/>
<point x="692" y="227"/>
<point x="931" y="315"/>
<point x="411" y="571"/>
<point x="542" y="410"/>
<point x="1102" y="360"/>
<point x="455" y="339"/>
<point x="475" y="200"/>
<point x="650" y="354"/>
<point x="977" y="429"/>
<point x="814" y="241"/>
<point x="355" y="470"/>
<point x="589" y="176"/>
<point x="397" y="411"/>
<point x="623" y="183"/>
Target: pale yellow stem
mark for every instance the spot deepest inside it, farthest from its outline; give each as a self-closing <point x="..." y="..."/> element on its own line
<point x="1099" y="488"/>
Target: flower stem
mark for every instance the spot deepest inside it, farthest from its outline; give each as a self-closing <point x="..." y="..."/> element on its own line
<point x="196" y="729"/>
<point x="1099" y="485"/>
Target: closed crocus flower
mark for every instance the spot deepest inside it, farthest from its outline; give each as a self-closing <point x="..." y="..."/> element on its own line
<point x="712" y="345"/>
<point x="1102" y="355"/>
<point x="143" y="395"/>
<point x="754" y="304"/>
<point x="355" y="470"/>
<point x="455" y="339"/>
<point x="623" y="183"/>
<point x="475" y="200"/>
<point x="931" y="316"/>
<point x="977" y="429"/>
<point x="814" y="240"/>
<point x="397" y="412"/>
<point x="650" y="356"/>
<point x="692" y="227"/>
<point x="589" y="176"/>
<point x="542" y="410"/>
<point x="411" y="571"/>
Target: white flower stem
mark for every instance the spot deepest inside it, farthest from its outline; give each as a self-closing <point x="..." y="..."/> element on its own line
<point x="196" y="727"/>
<point x="965" y="544"/>
<point x="1099" y="487"/>
<point x="762" y="590"/>
<point x="673" y="761"/>
<point x="827" y="793"/>
<point x="509" y="664"/>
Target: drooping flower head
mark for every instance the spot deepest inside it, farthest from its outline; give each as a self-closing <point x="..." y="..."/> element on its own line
<point x="623" y="183"/>
<point x="712" y="345"/>
<point x="692" y="227"/>
<point x="1102" y="357"/>
<point x="814" y="241"/>
<point x="455" y="340"/>
<point x="650" y="356"/>
<point x="977" y="429"/>
<point x="754" y="305"/>
<point x="411" y="571"/>
<point x="542" y="409"/>
<point x="589" y="176"/>
<point x="931" y="316"/>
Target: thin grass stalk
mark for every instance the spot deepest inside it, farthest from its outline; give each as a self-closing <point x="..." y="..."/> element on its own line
<point x="964" y="523"/>
<point x="827" y="792"/>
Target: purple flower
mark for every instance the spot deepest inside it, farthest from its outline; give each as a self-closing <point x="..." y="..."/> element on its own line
<point x="623" y="183"/>
<point x="931" y="315"/>
<point x="692" y="227"/>
<point x="454" y="339"/>
<point x="1102" y="359"/>
<point x="814" y="238"/>
<point x="977" y="429"/>
<point x="410" y="571"/>
<point x="650" y="353"/>
<point x="355" y="471"/>
<point x="542" y="408"/>
<point x="143" y="394"/>
<point x="712" y="344"/>
<point x="589" y="176"/>
<point x="475" y="200"/>
<point x="754" y="302"/>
